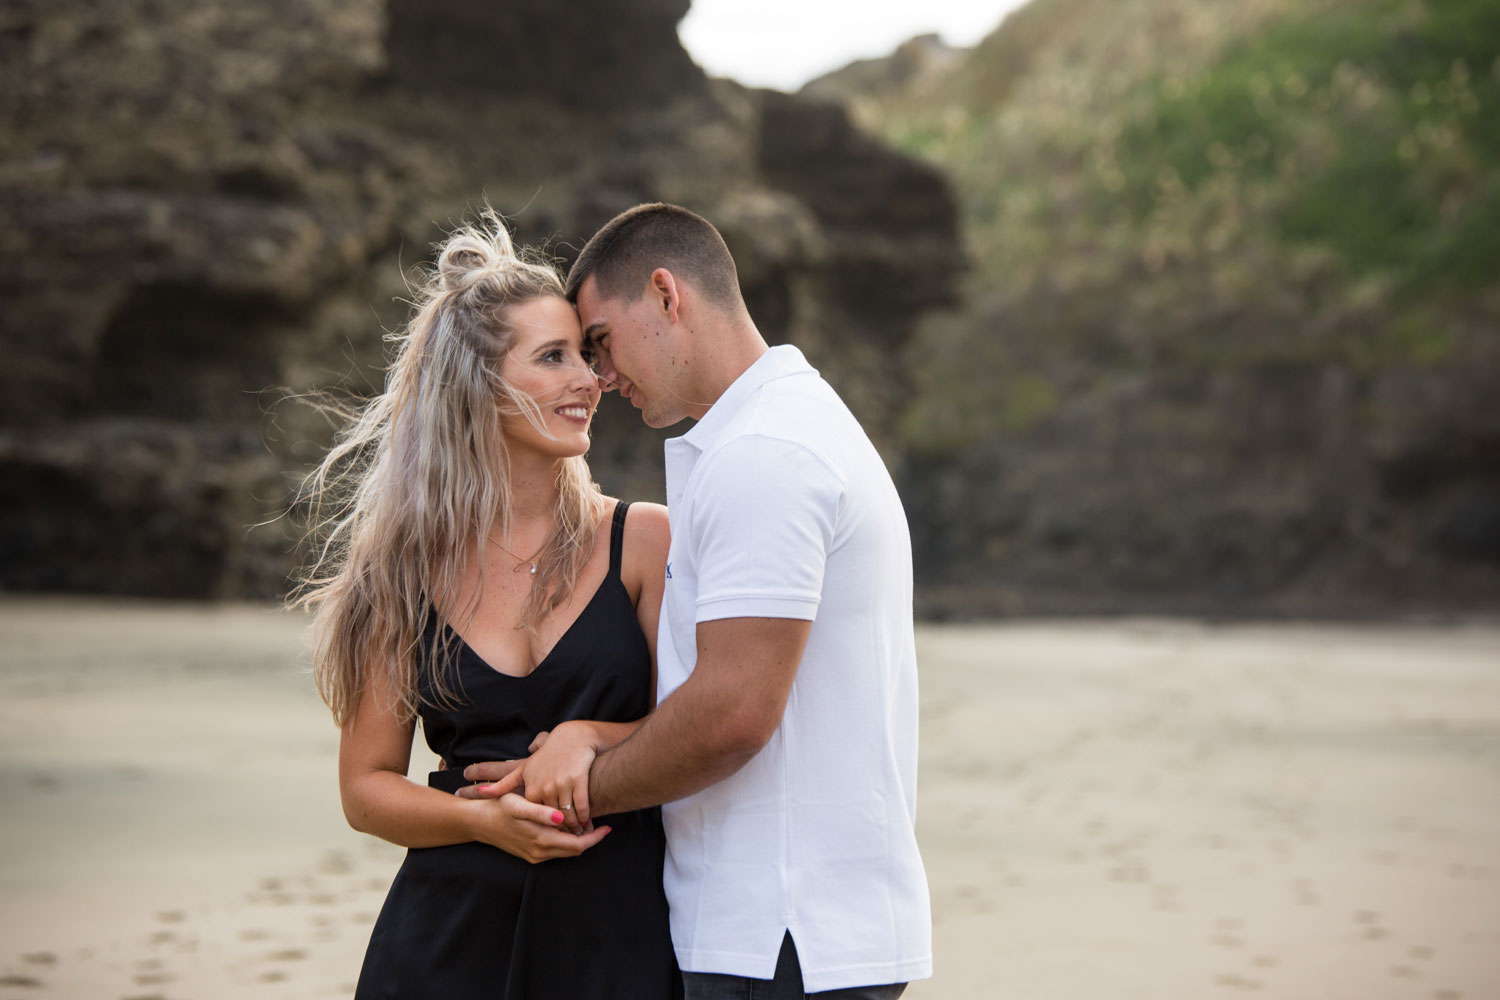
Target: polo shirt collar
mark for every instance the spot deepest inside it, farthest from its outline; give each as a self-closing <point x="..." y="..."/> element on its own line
<point x="778" y="362"/>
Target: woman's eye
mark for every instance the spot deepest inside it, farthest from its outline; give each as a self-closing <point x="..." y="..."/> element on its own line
<point x="553" y="357"/>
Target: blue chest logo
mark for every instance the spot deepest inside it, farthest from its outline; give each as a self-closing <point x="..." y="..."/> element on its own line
<point x="669" y="571"/>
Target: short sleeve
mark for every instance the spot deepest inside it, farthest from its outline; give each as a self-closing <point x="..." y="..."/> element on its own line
<point x="764" y="516"/>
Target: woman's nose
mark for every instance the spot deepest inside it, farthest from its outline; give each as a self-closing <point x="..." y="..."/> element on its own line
<point x="584" y="375"/>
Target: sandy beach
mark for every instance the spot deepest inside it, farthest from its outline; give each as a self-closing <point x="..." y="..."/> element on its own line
<point x="1126" y="809"/>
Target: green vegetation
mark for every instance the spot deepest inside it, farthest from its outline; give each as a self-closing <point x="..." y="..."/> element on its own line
<point x="1184" y="186"/>
<point x="1374" y="121"/>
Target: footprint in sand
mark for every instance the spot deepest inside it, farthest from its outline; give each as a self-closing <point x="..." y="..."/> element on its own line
<point x="1166" y="898"/>
<point x="153" y="978"/>
<point x="287" y="955"/>
<point x="336" y="863"/>
<point x="39" y="958"/>
<point x="1370" y="920"/>
<point x="1239" y="982"/>
<point x="15" y="980"/>
<point x="171" y="916"/>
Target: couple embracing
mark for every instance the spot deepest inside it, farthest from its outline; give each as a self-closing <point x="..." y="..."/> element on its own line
<point x="745" y="664"/>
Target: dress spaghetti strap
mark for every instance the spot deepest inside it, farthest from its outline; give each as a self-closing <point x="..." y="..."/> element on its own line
<point x="617" y="537"/>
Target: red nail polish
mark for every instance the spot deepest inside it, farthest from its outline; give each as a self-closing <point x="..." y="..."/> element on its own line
<point x="557" y="817"/>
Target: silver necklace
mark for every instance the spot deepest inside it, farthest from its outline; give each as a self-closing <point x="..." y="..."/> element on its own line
<point x="519" y="561"/>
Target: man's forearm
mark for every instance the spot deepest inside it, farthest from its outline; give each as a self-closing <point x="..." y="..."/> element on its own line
<point x="710" y="727"/>
<point x="674" y="753"/>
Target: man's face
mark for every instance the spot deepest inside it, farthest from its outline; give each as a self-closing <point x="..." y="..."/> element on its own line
<point x="633" y="339"/>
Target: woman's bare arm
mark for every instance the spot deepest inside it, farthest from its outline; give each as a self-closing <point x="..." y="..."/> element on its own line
<point x="374" y="752"/>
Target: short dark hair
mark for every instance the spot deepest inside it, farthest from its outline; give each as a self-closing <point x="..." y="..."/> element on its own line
<point x="621" y="256"/>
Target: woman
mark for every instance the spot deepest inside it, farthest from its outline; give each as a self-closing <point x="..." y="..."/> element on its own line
<point x="474" y="577"/>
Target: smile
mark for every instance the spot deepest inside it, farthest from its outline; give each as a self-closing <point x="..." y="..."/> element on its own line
<point x="579" y="413"/>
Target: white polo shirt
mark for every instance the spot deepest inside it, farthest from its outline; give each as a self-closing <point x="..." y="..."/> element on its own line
<point x="781" y="508"/>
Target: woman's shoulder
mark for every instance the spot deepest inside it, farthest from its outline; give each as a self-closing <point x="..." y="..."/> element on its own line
<point x="648" y="535"/>
<point x="647" y="524"/>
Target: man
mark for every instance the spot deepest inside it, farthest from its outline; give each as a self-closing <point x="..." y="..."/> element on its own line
<point x="784" y="742"/>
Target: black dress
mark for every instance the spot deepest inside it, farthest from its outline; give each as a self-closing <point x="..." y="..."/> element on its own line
<point x="473" y="921"/>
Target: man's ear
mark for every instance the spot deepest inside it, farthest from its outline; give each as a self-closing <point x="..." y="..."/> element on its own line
<point x="663" y="288"/>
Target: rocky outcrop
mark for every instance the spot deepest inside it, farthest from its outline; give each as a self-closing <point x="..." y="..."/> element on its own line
<point x="1273" y="490"/>
<point x="207" y="210"/>
<point x="917" y="65"/>
<point x="589" y="54"/>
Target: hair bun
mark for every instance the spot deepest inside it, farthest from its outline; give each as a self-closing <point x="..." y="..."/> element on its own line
<point x="474" y="251"/>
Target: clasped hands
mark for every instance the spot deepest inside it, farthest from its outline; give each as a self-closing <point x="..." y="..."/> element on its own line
<point x="556" y="774"/>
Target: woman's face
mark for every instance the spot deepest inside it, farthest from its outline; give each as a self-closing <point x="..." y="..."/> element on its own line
<point x="547" y="361"/>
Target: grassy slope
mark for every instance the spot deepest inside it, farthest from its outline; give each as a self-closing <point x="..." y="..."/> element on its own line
<point x="1208" y="185"/>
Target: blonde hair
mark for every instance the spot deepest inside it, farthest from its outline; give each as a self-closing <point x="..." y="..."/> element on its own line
<point x="401" y="505"/>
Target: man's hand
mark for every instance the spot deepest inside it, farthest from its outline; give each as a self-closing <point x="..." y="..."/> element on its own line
<point x="505" y="776"/>
<point x="495" y="770"/>
<point x="557" y="772"/>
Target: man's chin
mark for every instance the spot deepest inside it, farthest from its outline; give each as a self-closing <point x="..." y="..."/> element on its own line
<point x="657" y="421"/>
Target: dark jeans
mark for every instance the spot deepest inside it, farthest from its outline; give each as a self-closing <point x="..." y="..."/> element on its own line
<point x="786" y="986"/>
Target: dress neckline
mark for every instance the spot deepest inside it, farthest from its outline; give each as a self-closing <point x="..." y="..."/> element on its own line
<point x="616" y="546"/>
<point x="567" y="632"/>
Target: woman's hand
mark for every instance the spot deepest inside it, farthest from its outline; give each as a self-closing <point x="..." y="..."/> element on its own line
<point x="557" y="772"/>
<point x="529" y="830"/>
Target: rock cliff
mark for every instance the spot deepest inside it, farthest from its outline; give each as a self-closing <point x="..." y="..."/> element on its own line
<point x="209" y="207"/>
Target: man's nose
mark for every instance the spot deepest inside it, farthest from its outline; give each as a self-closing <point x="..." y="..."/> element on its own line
<point x="605" y="372"/>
